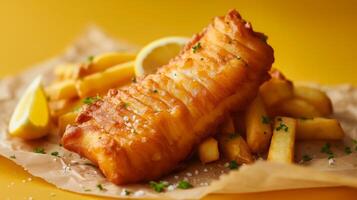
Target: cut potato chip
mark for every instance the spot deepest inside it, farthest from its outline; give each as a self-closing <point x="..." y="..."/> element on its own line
<point x="319" y="129"/>
<point x="232" y="144"/>
<point x="208" y="150"/>
<point x="316" y="97"/>
<point x="101" y="82"/>
<point x="105" y="61"/>
<point x="275" y="91"/>
<point x="65" y="120"/>
<point x="65" y="89"/>
<point x="258" y="127"/>
<point x="296" y="108"/>
<point x="283" y="140"/>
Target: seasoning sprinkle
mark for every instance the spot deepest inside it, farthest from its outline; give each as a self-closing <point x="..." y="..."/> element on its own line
<point x="348" y="150"/>
<point x="282" y="126"/>
<point x="13" y="157"/>
<point x="306" y="158"/>
<point x="233" y="164"/>
<point x="55" y="153"/>
<point x="196" y="47"/>
<point x="100" y="187"/>
<point x="39" y="150"/>
<point x="90" y="58"/>
<point x="184" y="185"/>
<point x="233" y="135"/>
<point x="158" y="186"/>
<point x="91" y="100"/>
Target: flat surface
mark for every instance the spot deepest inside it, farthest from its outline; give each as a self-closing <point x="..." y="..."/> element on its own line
<point x="313" y="41"/>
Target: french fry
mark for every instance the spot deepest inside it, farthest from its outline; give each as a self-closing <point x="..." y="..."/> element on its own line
<point x="319" y="129"/>
<point x="232" y="145"/>
<point x="283" y="140"/>
<point x="102" y="81"/>
<point x="105" y="61"/>
<point x="64" y="120"/>
<point x="316" y="97"/>
<point x="60" y="107"/>
<point x="296" y="108"/>
<point x="66" y="71"/>
<point x="65" y="89"/>
<point x="258" y="127"/>
<point x="276" y="90"/>
<point x="208" y="150"/>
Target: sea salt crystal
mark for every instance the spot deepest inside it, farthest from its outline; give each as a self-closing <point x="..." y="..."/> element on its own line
<point x="196" y="172"/>
<point x="171" y="187"/>
<point x="331" y="161"/>
<point x="139" y="193"/>
<point x="205" y="170"/>
<point x="176" y="177"/>
<point x="189" y="174"/>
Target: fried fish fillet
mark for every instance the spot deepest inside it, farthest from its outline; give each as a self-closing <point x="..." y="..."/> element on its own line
<point x="143" y="131"/>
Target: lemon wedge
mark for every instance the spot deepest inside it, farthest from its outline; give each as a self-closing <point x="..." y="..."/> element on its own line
<point x="31" y="118"/>
<point x="158" y="53"/>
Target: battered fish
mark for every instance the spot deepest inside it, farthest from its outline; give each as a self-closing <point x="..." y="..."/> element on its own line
<point x="143" y="131"/>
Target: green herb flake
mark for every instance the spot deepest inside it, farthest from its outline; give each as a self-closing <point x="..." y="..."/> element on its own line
<point x="154" y="91"/>
<point x="196" y="47"/>
<point x="265" y="120"/>
<point x="348" y="150"/>
<point x="233" y="164"/>
<point x="133" y="80"/>
<point x="125" y="105"/>
<point x="39" y="150"/>
<point x="306" y="158"/>
<point x="55" y="153"/>
<point x="327" y="150"/>
<point x="91" y="100"/>
<point x="283" y="127"/>
<point x="158" y="186"/>
<point x="87" y="190"/>
<point x="184" y="185"/>
<point x="101" y="188"/>
<point x="13" y="157"/>
<point x="90" y="59"/>
<point x="127" y="192"/>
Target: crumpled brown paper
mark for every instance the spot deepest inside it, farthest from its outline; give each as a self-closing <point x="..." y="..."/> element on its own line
<point x="70" y="172"/>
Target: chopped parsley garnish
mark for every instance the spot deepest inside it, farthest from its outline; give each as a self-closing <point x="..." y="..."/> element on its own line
<point x="127" y="192"/>
<point x="233" y="164"/>
<point x="196" y="47"/>
<point x="13" y="157"/>
<point x="100" y="187"/>
<point x="87" y="190"/>
<point x="184" y="185"/>
<point x="327" y="150"/>
<point x="348" y="150"/>
<point x="282" y="126"/>
<point x="306" y="158"/>
<point x="55" y="153"/>
<point x="265" y="120"/>
<point x="133" y="80"/>
<point x="39" y="150"/>
<point x="90" y="59"/>
<point x="233" y="135"/>
<point x="91" y="100"/>
<point x="158" y="186"/>
<point x="154" y="91"/>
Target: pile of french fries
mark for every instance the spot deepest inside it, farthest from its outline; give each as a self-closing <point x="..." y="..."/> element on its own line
<point x="74" y="83"/>
<point x="281" y="114"/>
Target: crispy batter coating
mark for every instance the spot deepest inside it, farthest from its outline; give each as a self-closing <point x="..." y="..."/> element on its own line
<point x="143" y="131"/>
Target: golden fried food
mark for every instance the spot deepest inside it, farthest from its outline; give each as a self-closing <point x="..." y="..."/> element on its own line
<point x="142" y="131"/>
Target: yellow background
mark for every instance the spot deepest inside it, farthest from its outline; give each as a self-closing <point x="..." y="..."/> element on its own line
<point x="313" y="40"/>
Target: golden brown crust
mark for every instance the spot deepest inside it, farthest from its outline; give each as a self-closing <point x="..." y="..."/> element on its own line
<point x="143" y="131"/>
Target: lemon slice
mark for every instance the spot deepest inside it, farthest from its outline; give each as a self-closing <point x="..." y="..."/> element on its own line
<point x="31" y="118"/>
<point x="158" y="53"/>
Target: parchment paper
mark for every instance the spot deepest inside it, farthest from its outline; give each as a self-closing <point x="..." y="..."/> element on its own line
<point x="70" y="172"/>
